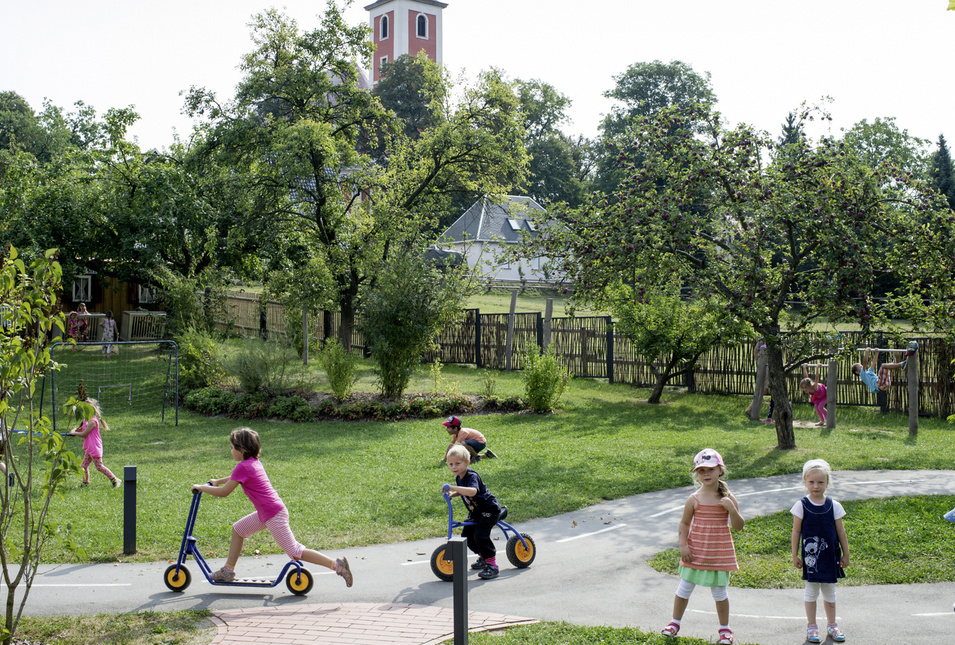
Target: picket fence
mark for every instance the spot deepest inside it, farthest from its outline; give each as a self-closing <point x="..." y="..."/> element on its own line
<point x="591" y="348"/>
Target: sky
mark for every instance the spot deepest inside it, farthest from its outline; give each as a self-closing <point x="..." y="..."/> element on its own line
<point x="874" y="58"/>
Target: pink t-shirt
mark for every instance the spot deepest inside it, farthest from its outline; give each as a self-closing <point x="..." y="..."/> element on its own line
<point x="257" y="487"/>
<point x="93" y="442"/>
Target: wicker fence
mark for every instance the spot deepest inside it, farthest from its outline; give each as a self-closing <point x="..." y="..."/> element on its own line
<point x="590" y="348"/>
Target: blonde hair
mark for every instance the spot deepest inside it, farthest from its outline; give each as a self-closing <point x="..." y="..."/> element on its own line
<point x="817" y="464"/>
<point x="722" y="487"/>
<point x="460" y="452"/>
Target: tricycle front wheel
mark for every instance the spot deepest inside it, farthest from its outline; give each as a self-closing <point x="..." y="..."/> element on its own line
<point x="441" y="563"/>
<point x="520" y="555"/>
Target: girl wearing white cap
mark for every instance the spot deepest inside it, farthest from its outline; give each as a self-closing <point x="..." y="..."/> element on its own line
<point x="707" y="552"/>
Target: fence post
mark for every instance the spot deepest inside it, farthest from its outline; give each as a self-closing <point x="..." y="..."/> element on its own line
<point x="478" y="361"/>
<point x="460" y="577"/>
<point x="610" y="349"/>
<point x="129" y="510"/>
<point x="539" y="324"/>
<point x="509" y="343"/>
<point x="305" y="337"/>
<point x="832" y="389"/>
<point x="548" y="322"/>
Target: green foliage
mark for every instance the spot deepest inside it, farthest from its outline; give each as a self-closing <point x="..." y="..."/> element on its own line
<point x="544" y="379"/>
<point x="402" y="315"/>
<point x="210" y="401"/>
<point x="293" y="408"/>
<point x="489" y="383"/>
<point x="670" y="331"/>
<point x="265" y="366"/>
<point x="36" y="459"/>
<point x="200" y="360"/>
<point x="341" y="369"/>
<point x="940" y="172"/>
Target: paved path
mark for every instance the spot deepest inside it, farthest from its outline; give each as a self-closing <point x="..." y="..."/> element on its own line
<point x="590" y="570"/>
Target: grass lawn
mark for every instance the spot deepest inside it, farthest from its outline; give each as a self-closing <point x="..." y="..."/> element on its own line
<point x="605" y="443"/>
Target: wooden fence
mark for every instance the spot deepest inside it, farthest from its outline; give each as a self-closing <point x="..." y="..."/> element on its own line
<point x="591" y="348"/>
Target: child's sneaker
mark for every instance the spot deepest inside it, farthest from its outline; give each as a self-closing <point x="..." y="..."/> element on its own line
<point x="116" y="482"/>
<point x="812" y="634"/>
<point x="342" y="569"/>
<point x="223" y="575"/>
<point x="835" y="633"/>
<point x="488" y="572"/>
<point x="489" y="454"/>
<point x="82" y="484"/>
<point x="671" y="630"/>
<point x="480" y="564"/>
<point x="725" y="637"/>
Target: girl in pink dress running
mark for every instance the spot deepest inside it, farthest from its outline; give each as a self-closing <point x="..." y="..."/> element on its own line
<point x="707" y="552"/>
<point x="93" y="445"/>
<point x="270" y="512"/>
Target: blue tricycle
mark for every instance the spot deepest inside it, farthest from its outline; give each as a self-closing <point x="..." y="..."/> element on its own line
<point x="177" y="577"/>
<point x="520" y="549"/>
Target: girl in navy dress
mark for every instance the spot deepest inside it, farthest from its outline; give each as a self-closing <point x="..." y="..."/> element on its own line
<point x="819" y="547"/>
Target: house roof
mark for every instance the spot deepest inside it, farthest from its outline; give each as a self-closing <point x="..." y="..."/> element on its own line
<point x="497" y="221"/>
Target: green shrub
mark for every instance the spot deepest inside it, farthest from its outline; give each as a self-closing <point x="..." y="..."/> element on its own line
<point x="200" y="363"/>
<point x="341" y="368"/>
<point x="544" y="379"/>
<point x="252" y="405"/>
<point x="293" y="408"/>
<point x="402" y="314"/>
<point x="488" y="383"/>
<point x="210" y="401"/>
<point x="266" y="366"/>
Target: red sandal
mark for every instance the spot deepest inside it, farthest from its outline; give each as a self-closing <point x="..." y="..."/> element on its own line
<point x="726" y="637"/>
<point x="671" y="629"/>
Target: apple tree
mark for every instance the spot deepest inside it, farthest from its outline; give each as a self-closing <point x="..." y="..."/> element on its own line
<point x="758" y="226"/>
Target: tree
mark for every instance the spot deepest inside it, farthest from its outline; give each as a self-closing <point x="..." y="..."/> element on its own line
<point x="940" y="172"/>
<point x="671" y="331"/>
<point x="302" y="138"/>
<point x="721" y="211"/>
<point x="553" y="174"/>
<point x="791" y="131"/>
<point x="881" y="143"/>
<point x="36" y="459"/>
<point x="644" y="89"/>
<point x="403" y="313"/>
<point x="415" y="89"/>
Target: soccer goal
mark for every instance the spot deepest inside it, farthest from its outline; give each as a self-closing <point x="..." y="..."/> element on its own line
<point x="139" y="377"/>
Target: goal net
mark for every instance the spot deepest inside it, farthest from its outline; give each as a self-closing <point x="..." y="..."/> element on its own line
<point x="140" y="377"/>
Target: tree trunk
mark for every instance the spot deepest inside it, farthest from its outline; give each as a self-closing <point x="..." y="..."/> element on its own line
<point x="783" y="414"/>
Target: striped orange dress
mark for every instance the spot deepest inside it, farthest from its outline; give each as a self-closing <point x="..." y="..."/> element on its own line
<point x="711" y="544"/>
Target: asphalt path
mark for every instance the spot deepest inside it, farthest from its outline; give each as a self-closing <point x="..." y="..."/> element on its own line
<point x="590" y="570"/>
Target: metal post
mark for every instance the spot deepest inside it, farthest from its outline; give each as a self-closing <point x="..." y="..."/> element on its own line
<point x="460" y="581"/>
<point x="129" y="510"/>
<point x="610" y="349"/>
<point x="477" y="339"/>
<point x="304" y="338"/>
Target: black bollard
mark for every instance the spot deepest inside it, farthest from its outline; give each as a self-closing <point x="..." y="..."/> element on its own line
<point x="460" y="559"/>
<point x="129" y="510"/>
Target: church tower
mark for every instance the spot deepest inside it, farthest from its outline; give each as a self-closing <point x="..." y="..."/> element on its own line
<point x="404" y="27"/>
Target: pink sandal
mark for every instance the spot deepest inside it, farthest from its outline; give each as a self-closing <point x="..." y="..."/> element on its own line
<point x="726" y="637"/>
<point x="671" y="629"/>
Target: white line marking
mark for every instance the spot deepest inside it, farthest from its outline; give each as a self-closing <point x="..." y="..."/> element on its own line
<point x="583" y="535"/>
<point x="86" y="584"/>
<point x="940" y="613"/>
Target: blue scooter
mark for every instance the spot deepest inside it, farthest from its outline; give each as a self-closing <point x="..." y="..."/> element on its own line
<point x="177" y="577"/>
<point x="521" y="549"/>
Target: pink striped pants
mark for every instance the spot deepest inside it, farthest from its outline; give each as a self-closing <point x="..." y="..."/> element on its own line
<point x="278" y="526"/>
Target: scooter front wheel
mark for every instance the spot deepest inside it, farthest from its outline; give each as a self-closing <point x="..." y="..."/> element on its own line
<point x="177" y="580"/>
<point x="299" y="581"/>
<point x="441" y="563"/>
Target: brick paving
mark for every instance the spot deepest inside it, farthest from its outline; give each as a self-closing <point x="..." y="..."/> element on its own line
<point x="349" y="624"/>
